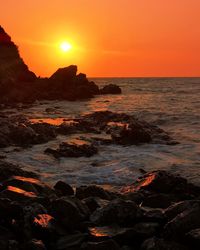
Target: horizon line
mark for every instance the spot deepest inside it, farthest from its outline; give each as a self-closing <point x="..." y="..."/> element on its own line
<point x="143" y="76"/>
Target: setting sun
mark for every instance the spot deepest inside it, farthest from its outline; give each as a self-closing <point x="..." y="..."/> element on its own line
<point x="65" y="46"/>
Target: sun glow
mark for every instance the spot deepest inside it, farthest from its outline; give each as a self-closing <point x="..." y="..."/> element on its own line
<point x="65" y="46"/>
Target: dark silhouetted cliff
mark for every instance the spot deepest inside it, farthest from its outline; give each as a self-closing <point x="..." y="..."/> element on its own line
<point x="19" y="84"/>
<point x="13" y="71"/>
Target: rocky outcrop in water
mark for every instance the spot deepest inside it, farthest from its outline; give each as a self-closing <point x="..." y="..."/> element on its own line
<point x="110" y="89"/>
<point x="34" y="215"/>
<point x="118" y="128"/>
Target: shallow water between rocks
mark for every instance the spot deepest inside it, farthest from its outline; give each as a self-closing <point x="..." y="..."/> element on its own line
<point x="171" y="103"/>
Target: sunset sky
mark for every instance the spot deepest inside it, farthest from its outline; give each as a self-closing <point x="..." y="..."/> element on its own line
<point x="108" y="37"/>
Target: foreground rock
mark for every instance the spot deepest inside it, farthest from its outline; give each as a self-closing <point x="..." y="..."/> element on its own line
<point x="36" y="216"/>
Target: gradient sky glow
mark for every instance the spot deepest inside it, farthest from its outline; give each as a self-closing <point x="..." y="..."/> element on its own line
<point x="109" y="37"/>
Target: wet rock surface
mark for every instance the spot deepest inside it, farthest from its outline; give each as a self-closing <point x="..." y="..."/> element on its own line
<point x="36" y="216"/>
<point x="118" y="128"/>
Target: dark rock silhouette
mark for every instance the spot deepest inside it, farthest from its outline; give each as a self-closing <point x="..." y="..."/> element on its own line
<point x="14" y="73"/>
<point x="12" y="67"/>
<point x="19" y="84"/>
<point x="110" y="89"/>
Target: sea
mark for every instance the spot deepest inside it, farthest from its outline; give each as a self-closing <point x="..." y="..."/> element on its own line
<point x="170" y="103"/>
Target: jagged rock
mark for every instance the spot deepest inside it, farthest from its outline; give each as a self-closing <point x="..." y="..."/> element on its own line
<point x="110" y="89"/>
<point x="12" y="67"/>
<point x="13" y="71"/>
<point x="63" y="189"/>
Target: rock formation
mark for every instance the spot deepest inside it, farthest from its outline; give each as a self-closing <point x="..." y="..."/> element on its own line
<point x="14" y="73"/>
<point x="19" y="84"/>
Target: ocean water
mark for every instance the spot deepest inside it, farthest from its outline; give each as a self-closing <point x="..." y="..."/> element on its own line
<point x="171" y="103"/>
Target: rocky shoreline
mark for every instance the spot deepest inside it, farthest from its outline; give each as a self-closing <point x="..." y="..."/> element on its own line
<point x="158" y="211"/>
<point x="105" y="127"/>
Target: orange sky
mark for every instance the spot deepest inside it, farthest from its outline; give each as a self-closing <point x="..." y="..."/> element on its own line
<point x="109" y="37"/>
